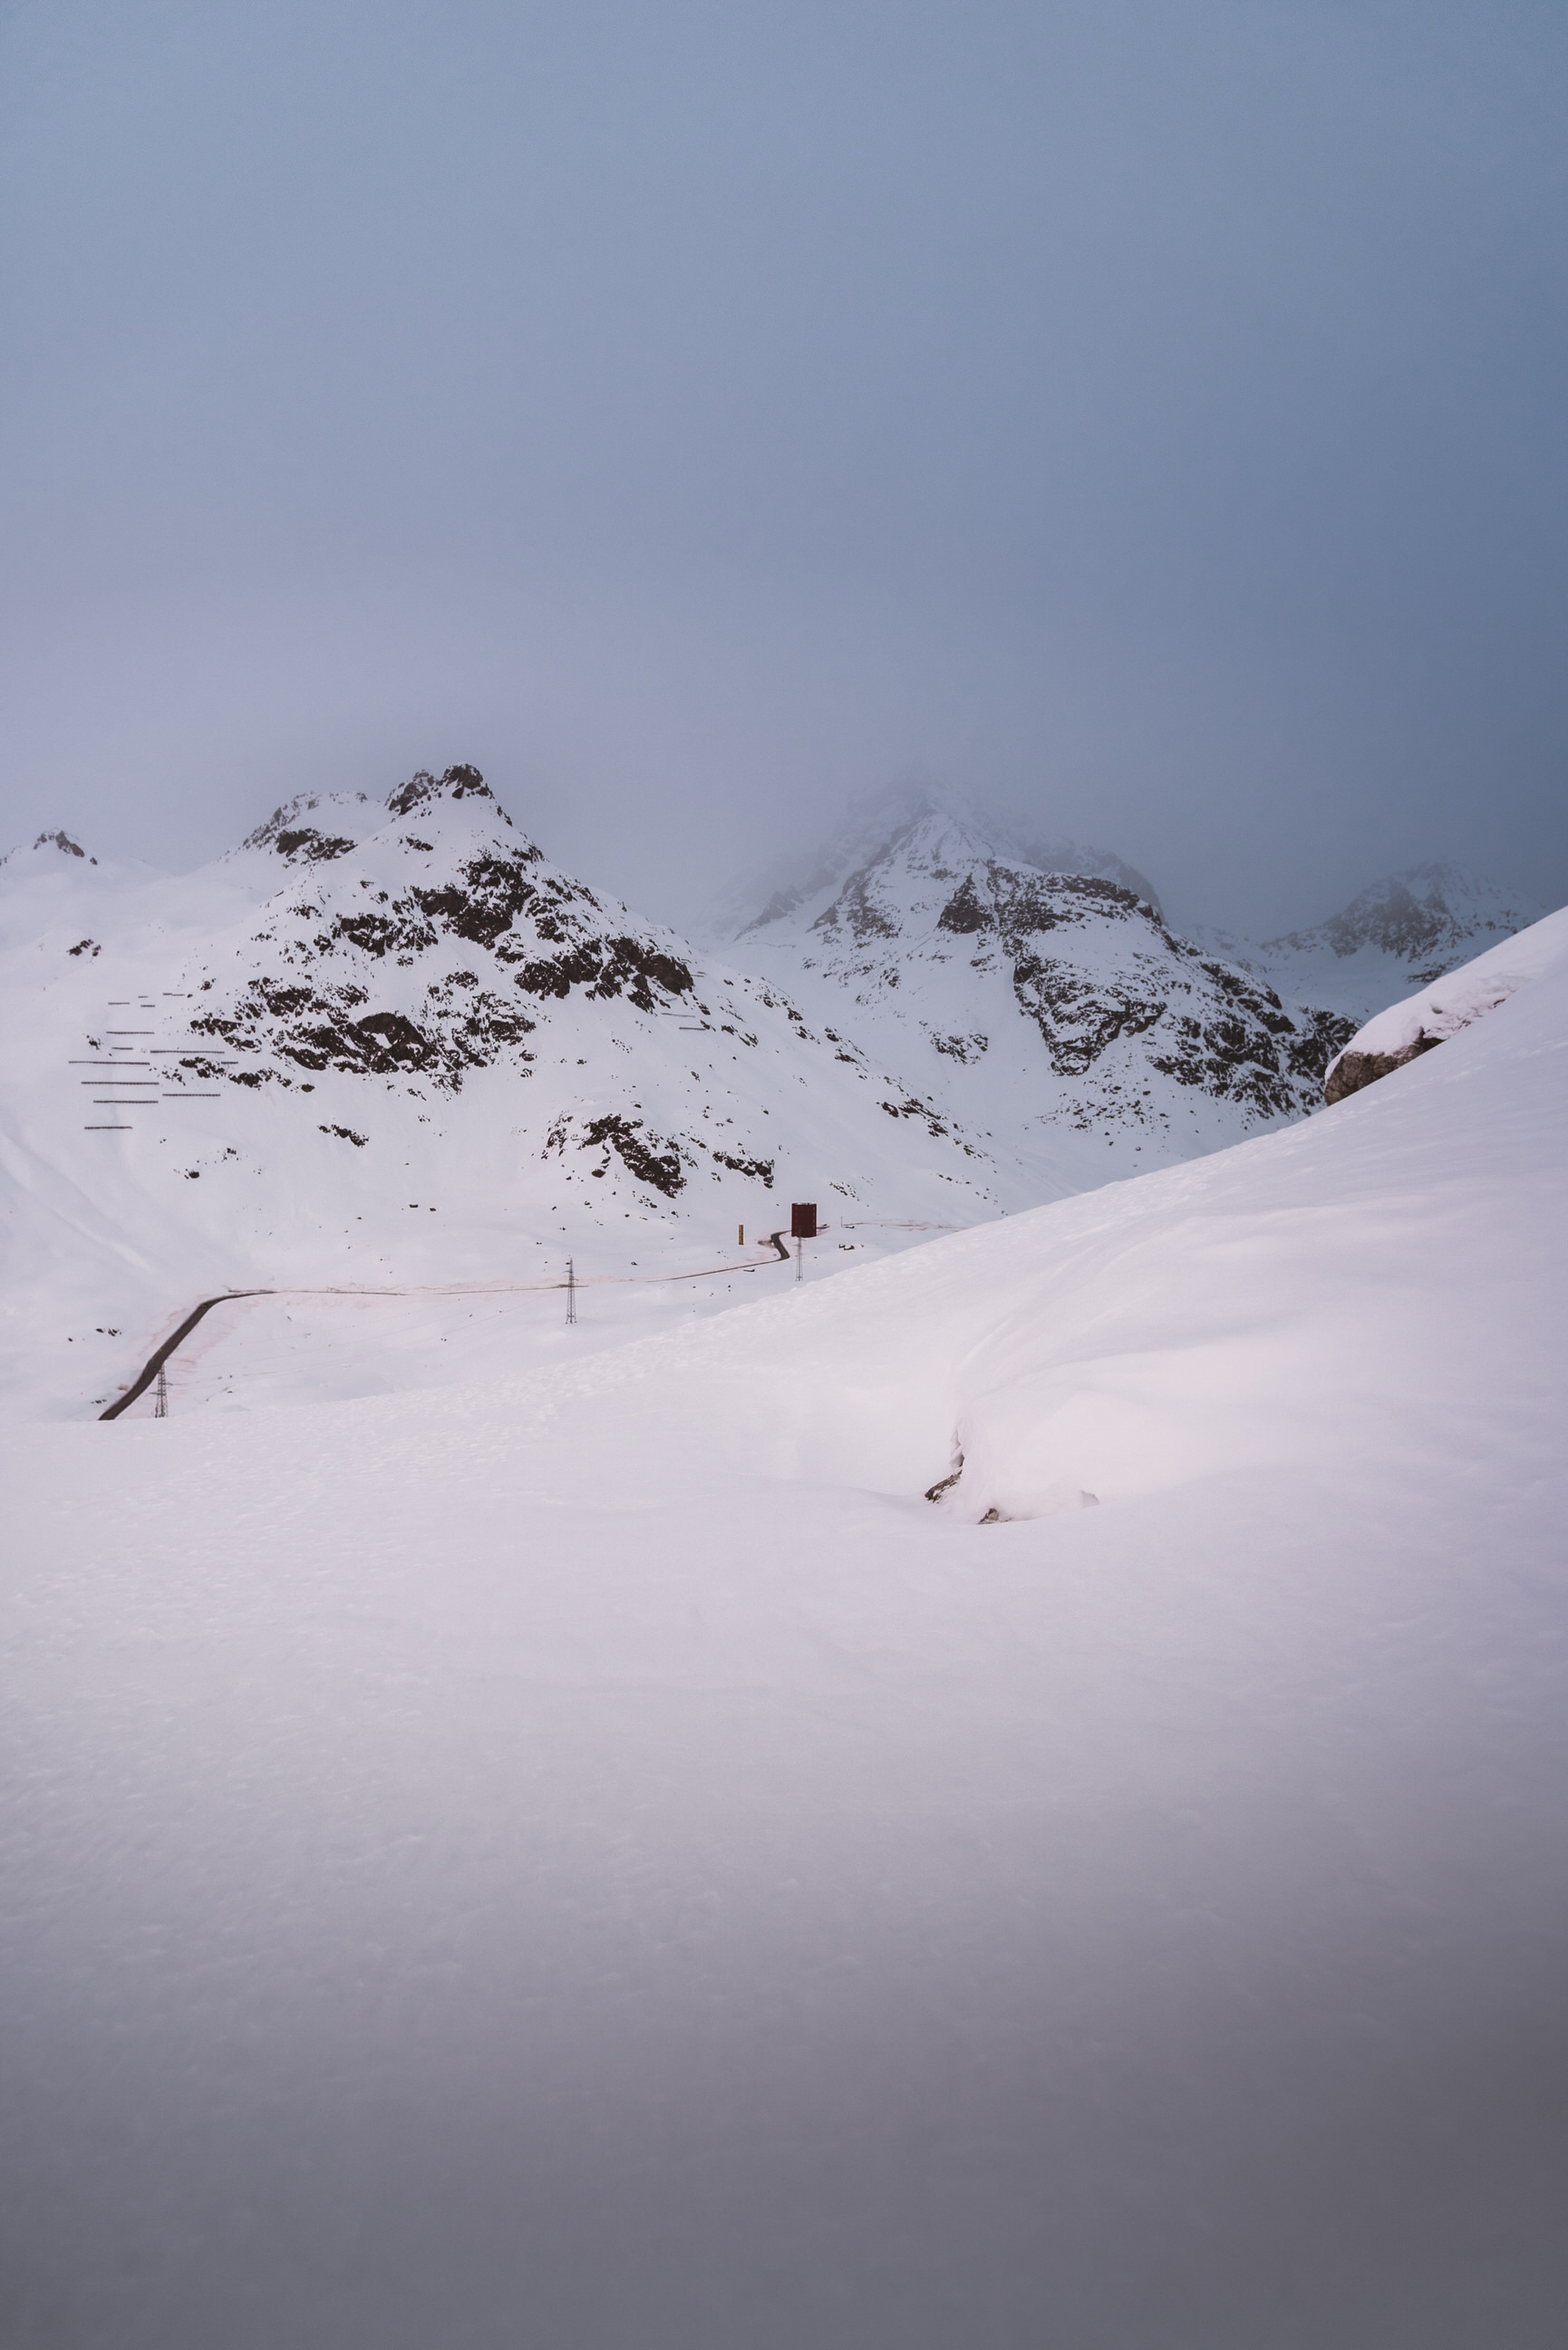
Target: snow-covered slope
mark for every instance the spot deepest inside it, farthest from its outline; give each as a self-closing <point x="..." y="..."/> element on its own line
<point x="1053" y="1013"/>
<point x="387" y="1042"/>
<point x="598" y="1857"/>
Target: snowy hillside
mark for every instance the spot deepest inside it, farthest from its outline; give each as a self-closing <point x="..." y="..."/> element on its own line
<point x="597" y="1843"/>
<point x="387" y="1041"/>
<point x="1053" y="1013"/>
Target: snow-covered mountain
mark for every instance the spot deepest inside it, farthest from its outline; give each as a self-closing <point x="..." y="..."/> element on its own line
<point x="1400" y="934"/>
<point x="1053" y="1011"/>
<point x="42" y="855"/>
<point x="387" y="1040"/>
<point x="800" y="883"/>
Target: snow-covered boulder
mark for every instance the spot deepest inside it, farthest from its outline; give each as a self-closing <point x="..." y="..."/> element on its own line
<point x="1405" y="1031"/>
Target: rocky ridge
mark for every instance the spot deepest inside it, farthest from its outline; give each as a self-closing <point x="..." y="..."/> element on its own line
<point x="1043" y="1007"/>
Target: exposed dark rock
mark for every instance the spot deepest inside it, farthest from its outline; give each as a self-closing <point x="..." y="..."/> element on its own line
<point x="648" y="1158"/>
<point x="290" y="817"/>
<point x="854" y="908"/>
<point x="760" y="1170"/>
<point x="400" y="932"/>
<point x="965" y="911"/>
<point x="496" y="890"/>
<point x="1354" y="1071"/>
<point x="945" y="1484"/>
<point x="458" y="782"/>
<point x="631" y="964"/>
<point x="304" y="840"/>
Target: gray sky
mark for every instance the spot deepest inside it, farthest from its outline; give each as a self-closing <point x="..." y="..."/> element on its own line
<point x="697" y="414"/>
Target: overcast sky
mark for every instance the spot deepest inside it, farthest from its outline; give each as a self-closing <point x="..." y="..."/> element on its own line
<point x="1150" y="411"/>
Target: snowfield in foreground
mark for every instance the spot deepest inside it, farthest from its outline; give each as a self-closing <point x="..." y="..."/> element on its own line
<point x="595" y="1858"/>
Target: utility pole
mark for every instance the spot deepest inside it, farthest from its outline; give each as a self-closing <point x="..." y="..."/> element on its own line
<point x="571" y="1294"/>
<point x="161" y="1401"/>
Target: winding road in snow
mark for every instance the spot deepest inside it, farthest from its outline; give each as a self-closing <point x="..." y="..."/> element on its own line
<point x="160" y="1355"/>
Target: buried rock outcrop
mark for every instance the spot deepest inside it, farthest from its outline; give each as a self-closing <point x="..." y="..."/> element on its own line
<point x="1404" y="1032"/>
<point x="1354" y="1070"/>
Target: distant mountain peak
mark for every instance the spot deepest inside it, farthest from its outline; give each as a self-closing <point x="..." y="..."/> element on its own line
<point x="61" y="842"/>
<point x="881" y="826"/>
<point x="313" y="828"/>
<point x="1429" y="917"/>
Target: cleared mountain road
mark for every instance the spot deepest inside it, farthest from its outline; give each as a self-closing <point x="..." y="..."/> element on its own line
<point x="161" y="1354"/>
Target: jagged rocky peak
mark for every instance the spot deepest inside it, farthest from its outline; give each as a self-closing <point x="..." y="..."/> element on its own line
<point x="423" y="788"/>
<point x="421" y="932"/>
<point x="291" y="831"/>
<point x="316" y="826"/>
<point x="1428" y="917"/>
<point x="46" y="851"/>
